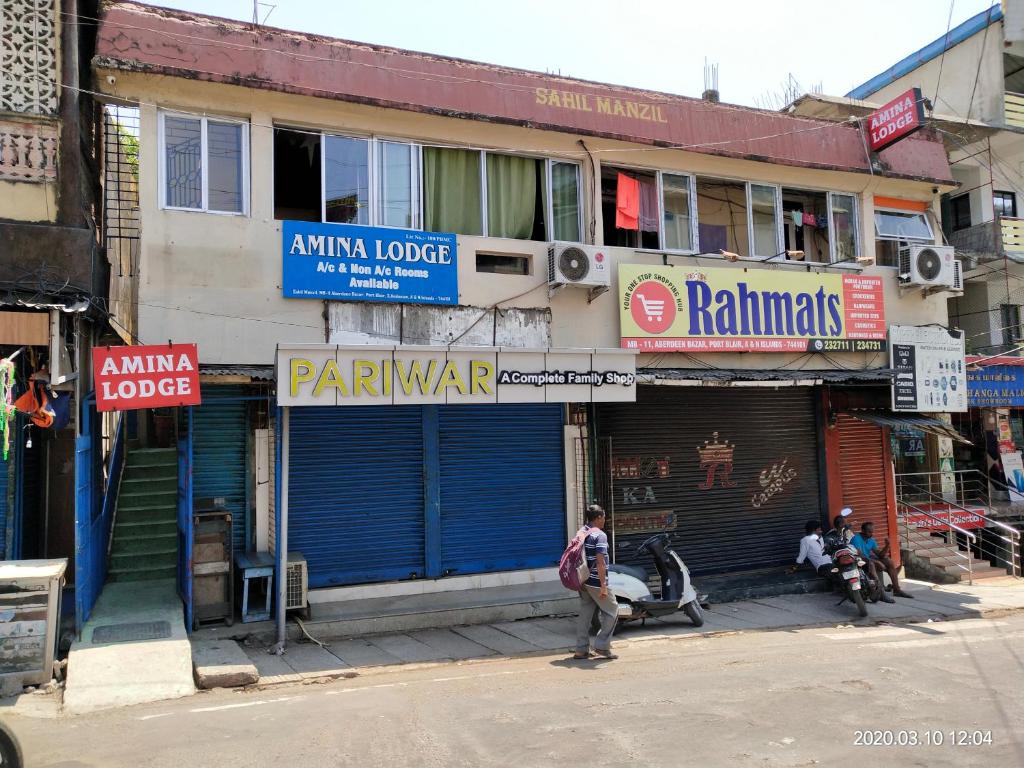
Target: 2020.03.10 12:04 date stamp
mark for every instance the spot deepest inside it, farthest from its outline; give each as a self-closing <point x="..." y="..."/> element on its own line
<point x="954" y="737"/>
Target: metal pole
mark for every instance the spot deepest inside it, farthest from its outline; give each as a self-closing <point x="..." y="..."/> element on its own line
<point x="282" y="535"/>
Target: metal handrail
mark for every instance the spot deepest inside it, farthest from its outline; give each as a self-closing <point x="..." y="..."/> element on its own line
<point x="954" y="546"/>
<point x="999" y="524"/>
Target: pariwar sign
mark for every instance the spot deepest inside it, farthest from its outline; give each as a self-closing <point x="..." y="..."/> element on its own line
<point x="675" y="309"/>
<point x="895" y="120"/>
<point x="162" y="375"/>
<point x="328" y="374"/>
<point x="931" y="375"/>
<point x="352" y="262"/>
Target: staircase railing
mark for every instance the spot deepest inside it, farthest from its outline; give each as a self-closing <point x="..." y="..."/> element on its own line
<point x="969" y="486"/>
<point x="114" y="472"/>
<point x="1000" y="544"/>
<point x="944" y="527"/>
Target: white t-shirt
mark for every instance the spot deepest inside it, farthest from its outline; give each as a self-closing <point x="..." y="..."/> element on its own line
<point x="812" y="547"/>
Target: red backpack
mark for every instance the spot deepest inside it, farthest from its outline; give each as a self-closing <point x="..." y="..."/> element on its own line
<point x="572" y="568"/>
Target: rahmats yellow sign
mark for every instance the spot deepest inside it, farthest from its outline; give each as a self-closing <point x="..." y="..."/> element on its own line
<point x="666" y="309"/>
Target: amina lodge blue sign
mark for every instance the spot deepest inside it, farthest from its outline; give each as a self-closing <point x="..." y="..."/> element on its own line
<point x="351" y="262"/>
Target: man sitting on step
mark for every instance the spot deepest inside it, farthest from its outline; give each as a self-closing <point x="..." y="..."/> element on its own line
<point x="878" y="560"/>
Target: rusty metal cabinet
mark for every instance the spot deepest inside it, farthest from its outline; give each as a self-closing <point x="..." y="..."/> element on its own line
<point x="212" y="588"/>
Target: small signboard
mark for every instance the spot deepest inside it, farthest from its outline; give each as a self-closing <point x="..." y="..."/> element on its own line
<point x="351" y="262"/>
<point x="930" y="370"/>
<point x="895" y="120"/>
<point x="162" y="375"/>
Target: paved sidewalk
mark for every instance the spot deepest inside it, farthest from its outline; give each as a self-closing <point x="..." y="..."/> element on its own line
<point x="309" y="662"/>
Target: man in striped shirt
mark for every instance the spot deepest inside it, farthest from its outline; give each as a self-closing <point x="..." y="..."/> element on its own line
<point x="594" y="597"/>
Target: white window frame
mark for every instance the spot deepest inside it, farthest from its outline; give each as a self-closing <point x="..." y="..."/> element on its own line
<point x="203" y="161"/>
<point x="924" y="216"/>
<point x="549" y="181"/>
<point x="858" y="246"/>
<point x="777" y="189"/>
<point x="692" y="199"/>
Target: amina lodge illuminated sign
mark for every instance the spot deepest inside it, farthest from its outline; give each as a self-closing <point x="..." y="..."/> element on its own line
<point x="674" y="309"/>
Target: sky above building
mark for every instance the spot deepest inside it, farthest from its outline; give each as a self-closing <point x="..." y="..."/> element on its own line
<point x="764" y="49"/>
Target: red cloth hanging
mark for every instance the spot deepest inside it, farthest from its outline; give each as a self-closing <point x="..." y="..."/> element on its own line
<point x="627" y="203"/>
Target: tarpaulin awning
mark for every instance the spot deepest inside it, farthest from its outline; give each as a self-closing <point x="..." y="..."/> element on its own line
<point x="912" y="420"/>
<point x="749" y="376"/>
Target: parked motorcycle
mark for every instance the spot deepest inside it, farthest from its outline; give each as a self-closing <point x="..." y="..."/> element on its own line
<point x="848" y="574"/>
<point x="628" y="584"/>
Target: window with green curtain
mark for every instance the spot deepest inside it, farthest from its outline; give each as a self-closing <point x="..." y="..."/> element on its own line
<point x="565" y="202"/>
<point x="511" y="196"/>
<point x="451" y="191"/>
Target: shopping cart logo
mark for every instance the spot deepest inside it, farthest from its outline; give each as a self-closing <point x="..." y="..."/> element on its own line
<point x="653" y="307"/>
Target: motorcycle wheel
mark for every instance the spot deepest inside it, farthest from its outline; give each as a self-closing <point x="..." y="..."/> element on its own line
<point x="858" y="599"/>
<point x="10" y="751"/>
<point x="695" y="612"/>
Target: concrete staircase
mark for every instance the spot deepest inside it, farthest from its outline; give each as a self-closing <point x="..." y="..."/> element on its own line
<point x="949" y="558"/>
<point x="145" y="529"/>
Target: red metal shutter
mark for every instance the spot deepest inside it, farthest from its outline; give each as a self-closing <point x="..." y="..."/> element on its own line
<point x="864" y="471"/>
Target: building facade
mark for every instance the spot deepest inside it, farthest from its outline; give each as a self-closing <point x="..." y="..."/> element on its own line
<point x="445" y="304"/>
<point x="52" y="273"/>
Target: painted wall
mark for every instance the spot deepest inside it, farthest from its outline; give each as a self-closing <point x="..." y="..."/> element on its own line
<point x="979" y="57"/>
<point x="215" y="279"/>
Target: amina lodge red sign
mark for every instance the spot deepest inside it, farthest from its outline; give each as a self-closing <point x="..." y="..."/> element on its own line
<point x="161" y="375"/>
<point x="895" y="120"/>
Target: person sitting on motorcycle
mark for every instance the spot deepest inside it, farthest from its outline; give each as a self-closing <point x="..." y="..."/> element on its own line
<point x="812" y="548"/>
<point x="841" y="534"/>
<point x="878" y="560"/>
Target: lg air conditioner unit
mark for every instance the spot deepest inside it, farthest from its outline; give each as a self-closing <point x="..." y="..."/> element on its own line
<point x="297" y="582"/>
<point x="929" y="266"/>
<point x="572" y="264"/>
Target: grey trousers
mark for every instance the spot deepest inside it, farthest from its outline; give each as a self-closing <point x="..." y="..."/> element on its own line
<point x="591" y="601"/>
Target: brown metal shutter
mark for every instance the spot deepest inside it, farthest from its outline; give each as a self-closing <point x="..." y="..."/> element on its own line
<point x="863" y="470"/>
<point x="663" y="446"/>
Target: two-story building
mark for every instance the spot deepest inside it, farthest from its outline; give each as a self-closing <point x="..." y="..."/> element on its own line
<point x="441" y="305"/>
<point x="52" y="274"/>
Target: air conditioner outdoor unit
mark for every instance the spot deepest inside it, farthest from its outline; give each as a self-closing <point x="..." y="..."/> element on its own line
<point x="297" y="582"/>
<point x="930" y="266"/>
<point x="575" y="264"/>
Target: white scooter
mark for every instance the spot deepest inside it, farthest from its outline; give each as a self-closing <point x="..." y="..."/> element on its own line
<point x="628" y="584"/>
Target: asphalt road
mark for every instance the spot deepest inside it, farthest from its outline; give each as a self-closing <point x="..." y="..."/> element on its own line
<point x="787" y="698"/>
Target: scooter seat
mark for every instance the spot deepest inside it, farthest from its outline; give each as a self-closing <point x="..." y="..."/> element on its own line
<point x="629" y="570"/>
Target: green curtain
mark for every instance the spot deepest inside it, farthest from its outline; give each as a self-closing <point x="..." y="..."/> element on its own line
<point x="451" y="191"/>
<point x="511" y="196"/>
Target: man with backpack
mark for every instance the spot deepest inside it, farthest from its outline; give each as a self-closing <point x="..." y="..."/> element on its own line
<point x="594" y="594"/>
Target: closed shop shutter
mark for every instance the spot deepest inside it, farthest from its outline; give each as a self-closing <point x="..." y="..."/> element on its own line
<point x="864" y="472"/>
<point x="502" y="487"/>
<point x="220" y="455"/>
<point x="355" y="493"/>
<point x="668" y="445"/>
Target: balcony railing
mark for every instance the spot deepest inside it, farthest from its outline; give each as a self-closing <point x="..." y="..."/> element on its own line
<point x="991" y="240"/>
<point x="1014" y="109"/>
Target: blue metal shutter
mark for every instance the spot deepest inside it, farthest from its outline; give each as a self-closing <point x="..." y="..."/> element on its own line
<point x="355" y="493"/>
<point x="220" y="455"/>
<point x="502" y="487"/>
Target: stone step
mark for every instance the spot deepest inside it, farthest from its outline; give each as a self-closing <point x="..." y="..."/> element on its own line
<point x="166" y="558"/>
<point x="145" y="544"/>
<point x="986" y="571"/>
<point x="155" y="483"/>
<point x="142" y="574"/>
<point x="146" y="493"/>
<point x="152" y="457"/>
<point x="148" y="471"/>
<point x="145" y="528"/>
<point x="147" y="514"/>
